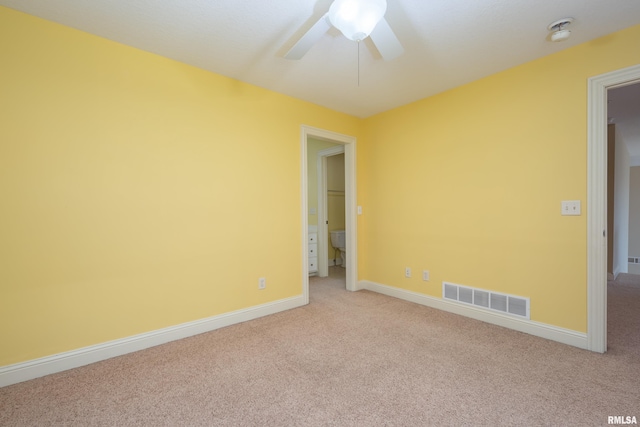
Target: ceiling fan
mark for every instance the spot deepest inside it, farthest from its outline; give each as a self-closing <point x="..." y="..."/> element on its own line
<point x="357" y="20"/>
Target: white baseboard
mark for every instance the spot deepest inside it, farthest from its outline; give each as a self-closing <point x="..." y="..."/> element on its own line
<point x="543" y="330"/>
<point x="617" y="271"/>
<point x="24" y="371"/>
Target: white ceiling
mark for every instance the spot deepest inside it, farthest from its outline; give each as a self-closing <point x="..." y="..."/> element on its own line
<point x="447" y="42"/>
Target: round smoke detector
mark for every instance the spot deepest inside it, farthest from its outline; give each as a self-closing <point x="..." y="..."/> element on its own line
<point x="560" y="32"/>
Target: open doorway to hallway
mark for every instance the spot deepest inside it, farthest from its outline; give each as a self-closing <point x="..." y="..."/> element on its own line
<point x="623" y="211"/>
<point x="623" y="180"/>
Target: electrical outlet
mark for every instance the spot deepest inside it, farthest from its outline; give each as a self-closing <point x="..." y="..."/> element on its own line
<point x="570" y="207"/>
<point x="407" y="272"/>
<point x="425" y="275"/>
<point x="262" y="283"/>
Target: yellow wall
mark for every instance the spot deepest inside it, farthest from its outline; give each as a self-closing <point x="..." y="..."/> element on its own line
<point x="137" y="192"/>
<point x="468" y="183"/>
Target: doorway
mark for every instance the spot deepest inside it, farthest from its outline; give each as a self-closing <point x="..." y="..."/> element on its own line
<point x="331" y="204"/>
<point x="348" y="143"/>
<point x="597" y="202"/>
<point x="623" y="292"/>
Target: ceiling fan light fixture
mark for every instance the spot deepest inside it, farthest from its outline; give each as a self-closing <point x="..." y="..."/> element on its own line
<point x="356" y="19"/>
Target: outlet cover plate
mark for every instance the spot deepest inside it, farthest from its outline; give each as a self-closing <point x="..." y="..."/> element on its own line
<point x="571" y="207"/>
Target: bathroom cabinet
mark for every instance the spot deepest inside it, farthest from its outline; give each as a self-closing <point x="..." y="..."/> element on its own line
<point x="313" y="253"/>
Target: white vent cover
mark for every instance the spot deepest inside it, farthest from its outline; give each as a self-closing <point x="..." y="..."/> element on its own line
<point x="508" y="304"/>
<point x="634" y="260"/>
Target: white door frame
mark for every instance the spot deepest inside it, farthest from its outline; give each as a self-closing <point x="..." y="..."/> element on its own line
<point x="323" y="229"/>
<point x="597" y="202"/>
<point x="349" y="143"/>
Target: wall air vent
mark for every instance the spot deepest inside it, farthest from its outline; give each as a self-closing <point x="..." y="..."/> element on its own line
<point x="494" y="301"/>
<point x="634" y="260"/>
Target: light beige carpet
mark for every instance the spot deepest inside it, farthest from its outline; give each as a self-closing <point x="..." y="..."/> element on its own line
<point x="349" y="359"/>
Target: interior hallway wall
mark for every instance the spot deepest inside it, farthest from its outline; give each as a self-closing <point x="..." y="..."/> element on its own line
<point x="313" y="147"/>
<point x="634" y="218"/>
<point x="621" y="207"/>
<point x="335" y="200"/>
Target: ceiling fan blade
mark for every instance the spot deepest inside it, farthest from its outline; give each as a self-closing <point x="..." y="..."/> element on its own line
<point x="309" y="38"/>
<point x="386" y="41"/>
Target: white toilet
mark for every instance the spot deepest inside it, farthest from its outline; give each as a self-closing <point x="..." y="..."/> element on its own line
<point x="339" y="241"/>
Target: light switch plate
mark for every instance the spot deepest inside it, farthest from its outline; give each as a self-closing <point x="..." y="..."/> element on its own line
<point x="571" y="207"/>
